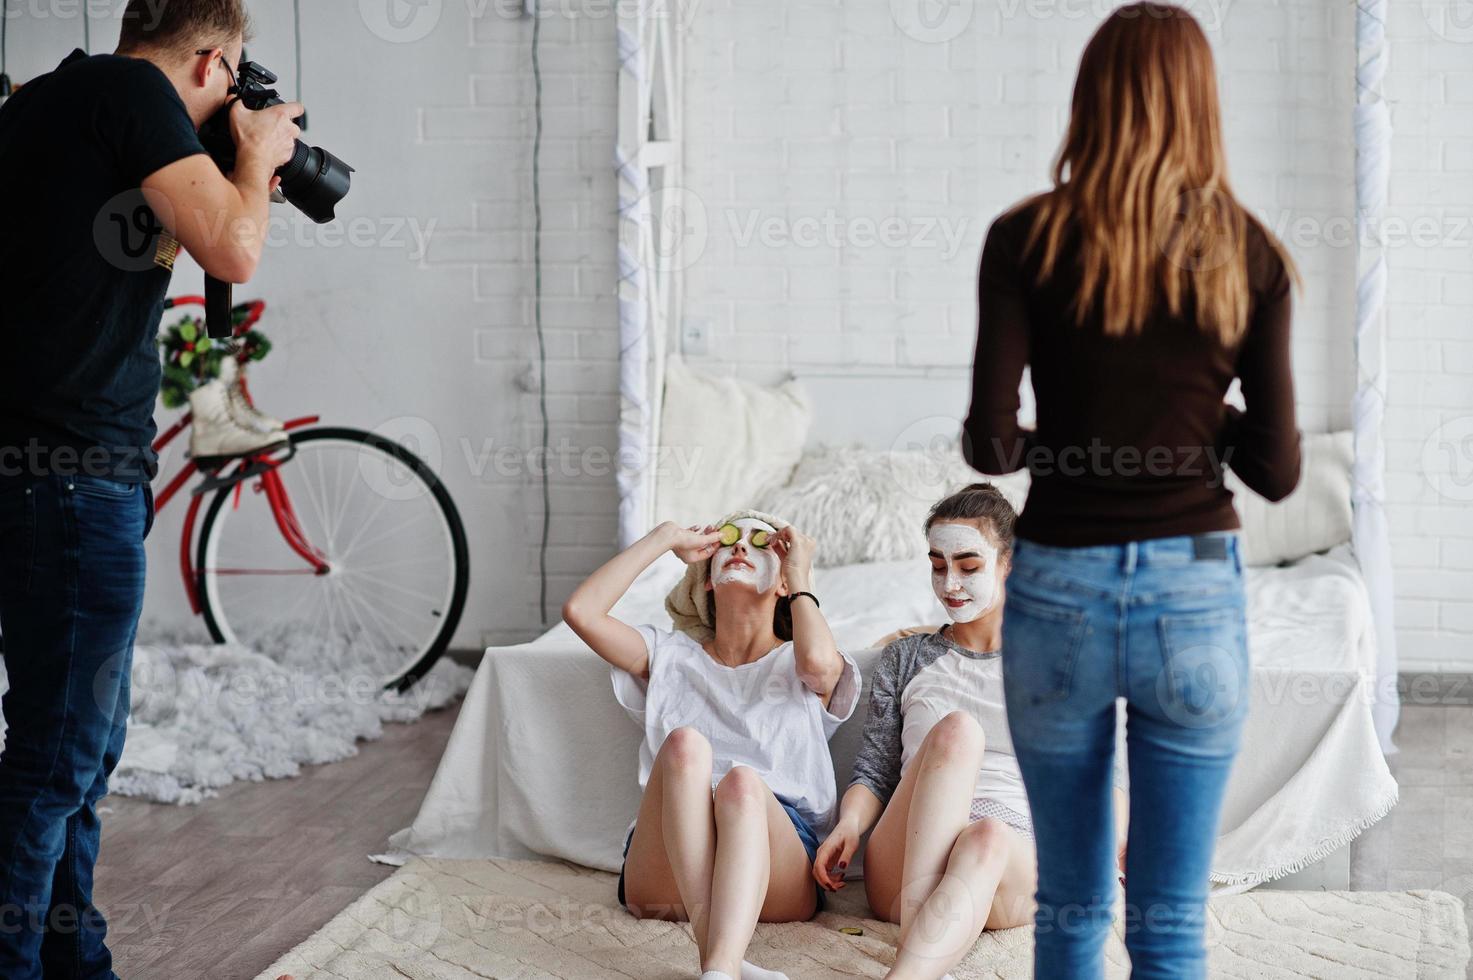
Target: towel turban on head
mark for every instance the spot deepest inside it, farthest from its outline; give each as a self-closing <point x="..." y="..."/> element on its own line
<point x="686" y="603"/>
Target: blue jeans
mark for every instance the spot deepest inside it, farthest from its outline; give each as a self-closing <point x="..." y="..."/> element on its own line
<point x="807" y="836"/>
<point x="71" y="591"/>
<point x="1161" y="624"/>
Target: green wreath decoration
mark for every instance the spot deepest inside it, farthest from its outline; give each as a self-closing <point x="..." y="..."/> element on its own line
<point x="191" y="358"/>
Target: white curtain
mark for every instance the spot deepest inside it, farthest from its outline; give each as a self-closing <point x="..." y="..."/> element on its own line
<point x="647" y="162"/>
<point x="1372" y="173"/>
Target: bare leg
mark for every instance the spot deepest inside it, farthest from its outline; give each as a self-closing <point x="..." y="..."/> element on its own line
<point x="667" y="873"/>
<point x="908" y="851"/>
<point x="989" y="882"/>
<point x="761" y="869"/>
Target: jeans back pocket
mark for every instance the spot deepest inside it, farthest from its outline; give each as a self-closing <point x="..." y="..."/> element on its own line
<point x="1204" y="670"/>
<point x="1041" y="641"/>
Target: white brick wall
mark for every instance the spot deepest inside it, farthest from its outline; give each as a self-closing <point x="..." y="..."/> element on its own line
<point x="492" y="119"/>
<point x="1430" y="392"/>
<point x="818" y="114"/>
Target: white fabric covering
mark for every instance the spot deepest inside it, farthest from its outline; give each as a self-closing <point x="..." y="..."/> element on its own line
<point x="542" y="757"/>
<point x="1372" y="182"/>
<point x="724" y="441"/>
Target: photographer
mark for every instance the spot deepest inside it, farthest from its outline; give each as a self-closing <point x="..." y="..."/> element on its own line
<point x="102" y="179"/>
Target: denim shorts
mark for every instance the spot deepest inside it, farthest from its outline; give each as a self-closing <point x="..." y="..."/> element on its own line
<point x="806" y="835"/>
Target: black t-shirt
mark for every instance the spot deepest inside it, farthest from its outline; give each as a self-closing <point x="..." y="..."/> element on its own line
<point x="84" y="266"/>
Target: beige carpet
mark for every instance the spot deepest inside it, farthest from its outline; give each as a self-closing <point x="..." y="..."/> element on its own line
<point x="528" y="920"/>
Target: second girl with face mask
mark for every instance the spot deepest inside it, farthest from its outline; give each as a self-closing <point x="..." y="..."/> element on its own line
<point x="952" y="853"/>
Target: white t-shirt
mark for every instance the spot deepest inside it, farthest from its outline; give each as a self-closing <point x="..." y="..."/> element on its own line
<point x="758" y="714"/>
<point x="964" y="681"/>
<point x="921" y="679"/>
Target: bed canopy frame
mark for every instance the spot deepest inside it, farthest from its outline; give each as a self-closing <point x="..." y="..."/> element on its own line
<point x="648" y="163"/>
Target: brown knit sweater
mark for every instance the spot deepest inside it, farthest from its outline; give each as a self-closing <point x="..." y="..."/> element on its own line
<point x="1132" y="432"/>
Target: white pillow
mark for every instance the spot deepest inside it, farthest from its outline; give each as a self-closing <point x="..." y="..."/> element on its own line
<point x="723" y="442"/>
<point x="1315" y="517"/>
<point x="865" y="505"/>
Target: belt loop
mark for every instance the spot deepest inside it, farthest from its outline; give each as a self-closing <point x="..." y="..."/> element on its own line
<point x="1130" y="557"/>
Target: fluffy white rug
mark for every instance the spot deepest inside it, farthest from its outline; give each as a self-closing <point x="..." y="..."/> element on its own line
<point x="459" y="920"/>
<point x="206" y="716"/>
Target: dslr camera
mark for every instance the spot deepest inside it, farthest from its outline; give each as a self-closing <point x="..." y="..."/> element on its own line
<point x="313" y="180"/>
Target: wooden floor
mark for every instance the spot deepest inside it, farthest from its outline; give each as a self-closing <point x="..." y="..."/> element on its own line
<point x="222" y="889"/>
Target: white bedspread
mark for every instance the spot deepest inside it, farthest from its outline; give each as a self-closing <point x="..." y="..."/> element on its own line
<point x="542" y="761"/>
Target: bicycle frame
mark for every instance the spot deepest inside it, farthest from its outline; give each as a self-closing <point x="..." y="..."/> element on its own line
<point x="282" y="510"/>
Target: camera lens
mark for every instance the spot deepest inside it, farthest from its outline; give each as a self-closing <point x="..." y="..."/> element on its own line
<point x="314" y="181"/>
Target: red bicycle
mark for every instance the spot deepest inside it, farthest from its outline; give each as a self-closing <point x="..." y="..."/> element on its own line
<point x="349" y="540"/>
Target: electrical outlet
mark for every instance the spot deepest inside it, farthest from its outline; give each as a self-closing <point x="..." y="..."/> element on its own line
<point x="695" y="336"/>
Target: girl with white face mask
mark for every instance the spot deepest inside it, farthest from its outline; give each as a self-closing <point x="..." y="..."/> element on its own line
<point x="737" y="704"/>
<point x="953" y="851"/>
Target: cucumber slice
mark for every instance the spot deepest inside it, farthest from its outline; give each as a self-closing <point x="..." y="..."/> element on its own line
<point x="730" y="535"/>
<point x="759" y="538"/>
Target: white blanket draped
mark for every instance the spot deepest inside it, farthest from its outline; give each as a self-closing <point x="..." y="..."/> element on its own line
<point x="543" y="761"/>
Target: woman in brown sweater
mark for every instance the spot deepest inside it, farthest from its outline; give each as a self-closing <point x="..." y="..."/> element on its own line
<point x="1135" y="291"/>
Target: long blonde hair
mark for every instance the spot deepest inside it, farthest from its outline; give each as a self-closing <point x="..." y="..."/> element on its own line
<point x="1142" y="177"/>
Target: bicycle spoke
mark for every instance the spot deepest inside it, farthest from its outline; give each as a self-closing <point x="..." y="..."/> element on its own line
<point x="395" y="530"/>
<point x="319" y="506"/>
<point x="337" y="474"/>
<point x="347" y="496"/>
<point x="384" y="625"/>
<point x="436" y="560"/>
<point x="382" y="503"/>
<point x="408" y="612"/>
<point x="379" y="579"/>
<point x="351" y="605"/>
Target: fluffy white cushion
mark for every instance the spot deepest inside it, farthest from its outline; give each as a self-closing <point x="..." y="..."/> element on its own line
<point x="1315" y="517"/>
<point x="723" y="442"/>
<point x="865" y="505"/>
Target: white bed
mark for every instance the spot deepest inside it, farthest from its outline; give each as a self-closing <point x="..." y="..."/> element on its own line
<point x="543" y="761"/>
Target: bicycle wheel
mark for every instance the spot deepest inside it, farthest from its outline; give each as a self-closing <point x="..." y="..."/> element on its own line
<point x="351" y="551"/>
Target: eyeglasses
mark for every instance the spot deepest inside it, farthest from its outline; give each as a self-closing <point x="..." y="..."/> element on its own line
<point x="226" y="64"/>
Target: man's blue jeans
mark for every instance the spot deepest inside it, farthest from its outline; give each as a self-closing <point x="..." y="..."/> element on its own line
<point x="71" y="591"/>
<point x="1161" y="624"/>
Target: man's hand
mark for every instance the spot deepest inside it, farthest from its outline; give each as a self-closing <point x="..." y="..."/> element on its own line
<point x="265" y="137"/>
<point x="220" y="221"/>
